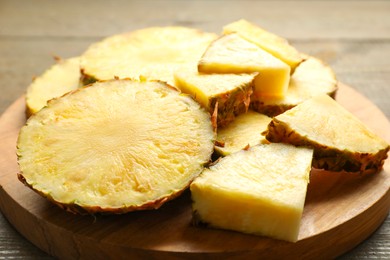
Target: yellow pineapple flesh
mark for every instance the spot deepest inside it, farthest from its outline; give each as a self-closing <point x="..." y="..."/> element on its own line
<point x="340" y="141"/>
<point x="233" y="54"/>
<point x="228" y="94"/>
<point x="258" y="191"/>
<point x="274" y="44"/>
<point x="244" y="131"/>
<point x="115" y="146"/>
<point x="151" y="53"/>
<point x="311" y="78"/>
<point x="59" y="79"/>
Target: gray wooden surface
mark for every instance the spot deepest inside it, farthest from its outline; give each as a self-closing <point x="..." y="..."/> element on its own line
<point x="352" y="36"/>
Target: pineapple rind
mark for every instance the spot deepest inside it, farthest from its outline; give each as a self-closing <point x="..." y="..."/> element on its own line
<point x="244" y="131"/>
<point x="59" y="79"/>
<point x="230" y="105"/>
<point x="365" y="153"/>
<point x="228" y="93"/>
<point x="258" y="191"/>
<point x="328" y="158"/>
<point x="139" y="144"/>
<point x="277" y="46"/>
<point x="312" y="77"/>
<point x="153" y="53"/>
<point x="86" y="79"/>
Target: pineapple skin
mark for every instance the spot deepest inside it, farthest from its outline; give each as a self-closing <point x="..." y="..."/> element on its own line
<point x="86" y="79"/>
<point x="224" y="103"/>
<point x="91" y="210"/>
<point x="231" y="104"/>
<point x="327" y="158"/>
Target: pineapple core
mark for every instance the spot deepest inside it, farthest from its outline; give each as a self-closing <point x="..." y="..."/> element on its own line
<point x="245" y="130"/>
<point x="274" y="44"/>
<point x="56" y="81"/>
<point x="257" y="191"/>
<point x="115" y="146"/>
<point x="230" y="92"/>
<point x="233" y="54"/>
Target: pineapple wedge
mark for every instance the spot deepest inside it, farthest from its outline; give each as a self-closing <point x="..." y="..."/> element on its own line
<point x="258" y="191"/>
<point x="277" y="46"/>
<point x="232" y="54"/>
<point x="115" y="146"/>
<point x="59" y="79"/>
<point x="311" y="78"/>
<point x="244" y="131"/>
<point x="152" y="53"/>
<point x="226" y="94"/>
<point x="340" y="141"/>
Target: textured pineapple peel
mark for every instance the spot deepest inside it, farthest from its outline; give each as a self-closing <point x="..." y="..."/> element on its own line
<point x="115" y="146"/>
<point x="341" y="142"/>
<point x="225" y="94"/>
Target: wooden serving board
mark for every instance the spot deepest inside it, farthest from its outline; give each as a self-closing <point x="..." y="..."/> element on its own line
<point x="341" y="210"/>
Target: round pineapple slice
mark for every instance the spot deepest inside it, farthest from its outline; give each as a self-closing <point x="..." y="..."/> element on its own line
<point x="115" y="146"/>
<point x="62" y="77"/>
<point x="153" y="53"/>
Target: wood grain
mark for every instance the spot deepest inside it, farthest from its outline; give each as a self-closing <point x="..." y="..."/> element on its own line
<point x="341" y="210"/>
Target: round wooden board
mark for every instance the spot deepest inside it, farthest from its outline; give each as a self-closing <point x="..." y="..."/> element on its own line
<point x="341" y="210"/>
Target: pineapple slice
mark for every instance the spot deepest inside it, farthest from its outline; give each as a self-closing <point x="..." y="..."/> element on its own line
<point x="340" y="141"/>
<point x="226" y="94"/>
<point x="258" y="191"/>
<point x="115" y="146"/>
<point x="277" y="46"/>
<point x="311" y="78"/>
<point x="61" y="78"/>
<point x="152" y="53"/>
<point x="244" y="131"/>
<point x="232" y="54"/>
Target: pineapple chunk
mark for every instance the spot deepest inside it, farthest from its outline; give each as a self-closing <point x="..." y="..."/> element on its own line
<point x="340" y="141"/>
<point x="258" y="191"/>
<point x="152" y="53"/>
<point x="228" y="93"/>
<point x="277" y="46"/>
<point x="61" y="78"/>
<point x="232" y="54"/>
<point x="311" y="78"/>
<point x="115" y="146"/>
<point x="245" y="130"/>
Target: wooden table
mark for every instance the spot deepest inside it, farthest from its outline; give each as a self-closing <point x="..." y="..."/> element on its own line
<point x="352" y="36"/>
